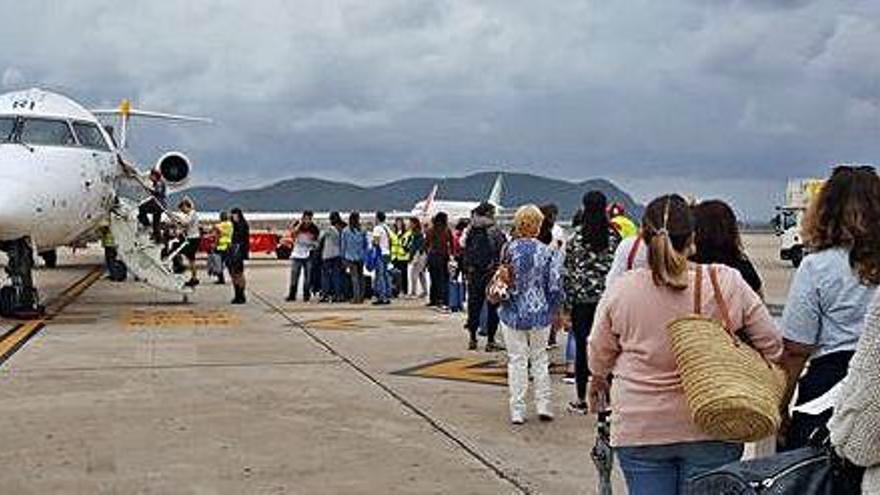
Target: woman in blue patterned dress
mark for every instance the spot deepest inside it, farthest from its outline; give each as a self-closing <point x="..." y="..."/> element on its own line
<point x="527" y="315"/>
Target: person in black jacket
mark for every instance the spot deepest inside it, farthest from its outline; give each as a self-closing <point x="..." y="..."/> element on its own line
<point x="483" y="243"/>
<point x="718" y="241"/>
<point x="239" y="251"/>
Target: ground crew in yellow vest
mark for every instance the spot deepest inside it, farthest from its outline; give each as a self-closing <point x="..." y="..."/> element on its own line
<point x="401" y="238"/>
<point x="224" y="240"/>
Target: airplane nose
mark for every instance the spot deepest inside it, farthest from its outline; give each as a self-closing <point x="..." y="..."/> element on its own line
<point x="16" y="211"/>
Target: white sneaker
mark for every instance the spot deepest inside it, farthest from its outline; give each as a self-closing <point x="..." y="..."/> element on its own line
<point x="517" y="418"/>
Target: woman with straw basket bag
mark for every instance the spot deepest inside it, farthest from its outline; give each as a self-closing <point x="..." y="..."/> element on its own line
<point x="658" y="442"/>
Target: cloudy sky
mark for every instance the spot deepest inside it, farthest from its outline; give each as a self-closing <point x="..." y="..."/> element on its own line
<point x="717" y="97"/>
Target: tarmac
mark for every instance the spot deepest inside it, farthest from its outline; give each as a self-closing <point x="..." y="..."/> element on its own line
<point x="122" y="389"/>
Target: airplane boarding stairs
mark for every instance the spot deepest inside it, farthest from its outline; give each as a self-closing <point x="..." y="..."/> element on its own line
<point x="142" y="256"/>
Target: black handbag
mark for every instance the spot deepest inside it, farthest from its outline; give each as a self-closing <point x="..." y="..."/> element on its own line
<point x="812" y="470"/>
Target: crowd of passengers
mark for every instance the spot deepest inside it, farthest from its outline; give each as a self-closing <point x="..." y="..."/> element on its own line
<point x="613" y="286"/>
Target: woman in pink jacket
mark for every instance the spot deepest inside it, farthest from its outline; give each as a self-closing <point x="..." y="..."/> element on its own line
<point x="657" y="443"/>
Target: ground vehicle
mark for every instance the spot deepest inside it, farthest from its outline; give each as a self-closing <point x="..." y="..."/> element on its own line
<point x="798" y="194"/>
<point x="261" y="241"/>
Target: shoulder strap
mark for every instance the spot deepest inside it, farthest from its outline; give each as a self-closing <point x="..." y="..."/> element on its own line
<point x="719" y="299"/>
<point x="698" y="291"/>
<point x="631" y="259"/>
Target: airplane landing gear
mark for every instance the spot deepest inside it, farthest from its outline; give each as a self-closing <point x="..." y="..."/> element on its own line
<point x="20" y="298"/>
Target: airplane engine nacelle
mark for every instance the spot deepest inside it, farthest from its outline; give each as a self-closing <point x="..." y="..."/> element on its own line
<point x="175" y="168"/>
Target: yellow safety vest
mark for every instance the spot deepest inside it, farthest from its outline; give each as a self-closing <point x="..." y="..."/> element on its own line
<point x="399" y="243"/>
<point x="107" y="239"/>
<point x="625" y="227"/>
<point x="225" y="238"/>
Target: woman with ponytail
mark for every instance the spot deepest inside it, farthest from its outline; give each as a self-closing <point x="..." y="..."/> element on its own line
<point x="657" y="443"/>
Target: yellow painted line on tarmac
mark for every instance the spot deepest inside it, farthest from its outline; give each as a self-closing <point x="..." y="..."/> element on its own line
<point x="163" y="318"/>
<point x="467" y="369"/>
<point x="336" y="323"/>
<point x="13" y="340"/>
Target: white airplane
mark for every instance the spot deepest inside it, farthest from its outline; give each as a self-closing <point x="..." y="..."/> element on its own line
<point x="58" y="176"/>
<point x="457" y="209"/>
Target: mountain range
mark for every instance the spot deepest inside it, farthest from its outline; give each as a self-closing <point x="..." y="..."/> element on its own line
<point x="324" y="195"/>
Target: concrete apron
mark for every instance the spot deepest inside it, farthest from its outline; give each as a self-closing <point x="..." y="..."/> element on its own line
<point x="128" y="390"/>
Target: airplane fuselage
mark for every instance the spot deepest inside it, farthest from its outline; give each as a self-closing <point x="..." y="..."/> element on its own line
<point x="57" y="169"/>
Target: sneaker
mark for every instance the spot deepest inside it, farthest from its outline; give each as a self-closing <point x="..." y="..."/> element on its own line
<point x="472" y="345"/>
<point x="569" y="380"/>
<point x="546" y="417"/>
<point x="494" y="347"/>
<point x="517" y="419"/>
<point x="578" y="408"/>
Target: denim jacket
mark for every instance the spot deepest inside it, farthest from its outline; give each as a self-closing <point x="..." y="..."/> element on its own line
<point x="354" y="244"/>
<point x="538" y="292"/>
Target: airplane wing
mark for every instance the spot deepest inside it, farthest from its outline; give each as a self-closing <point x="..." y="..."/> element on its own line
<point x="125" y="112"/>
<point x="151" y="115"/>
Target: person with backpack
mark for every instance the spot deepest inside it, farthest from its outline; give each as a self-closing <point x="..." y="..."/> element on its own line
<point x="655" y="438"/>
<point x="588" y="257"/>
<point x="382" y="243"/>
<point x="482" y="252"/>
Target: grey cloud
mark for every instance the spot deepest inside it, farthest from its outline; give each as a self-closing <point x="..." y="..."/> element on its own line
<point x="674" y="91"/>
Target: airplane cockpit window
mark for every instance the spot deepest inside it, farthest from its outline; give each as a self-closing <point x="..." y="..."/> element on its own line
<point x="7" y="127"/>
<point x="46" y="132"/>
<point x="90" y="136"/>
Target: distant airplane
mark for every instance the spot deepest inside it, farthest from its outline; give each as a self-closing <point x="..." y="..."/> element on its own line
<point x="457" y="209"/>
<point x="58" y="175"/>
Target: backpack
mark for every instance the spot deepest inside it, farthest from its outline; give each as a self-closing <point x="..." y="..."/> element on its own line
<point x="373" y="258"/>
<point x="814" y="470"/>
<point x="480" y="251"/>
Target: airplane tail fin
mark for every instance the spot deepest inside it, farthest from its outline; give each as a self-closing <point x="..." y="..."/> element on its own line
<point x="429" y="201"/>
<point x="125" y="112"/>
<point x="497" y="191"/>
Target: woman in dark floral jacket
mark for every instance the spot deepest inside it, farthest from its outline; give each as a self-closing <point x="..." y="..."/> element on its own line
<point x="588" y="258"/>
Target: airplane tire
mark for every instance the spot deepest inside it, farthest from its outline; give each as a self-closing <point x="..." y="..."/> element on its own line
<point x="118" y="271"/>
<point x="50" y="258"/>
<point x="8" y="301"/>
<point x="283" y="252"/>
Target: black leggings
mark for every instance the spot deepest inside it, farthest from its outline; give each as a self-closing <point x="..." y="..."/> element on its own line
<point x="438" y="269"/>
<point x="582" y="316"/>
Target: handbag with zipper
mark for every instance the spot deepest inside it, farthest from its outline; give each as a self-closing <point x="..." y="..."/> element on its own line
<point x="812" y="470"/>
<point x="501" y="285"/>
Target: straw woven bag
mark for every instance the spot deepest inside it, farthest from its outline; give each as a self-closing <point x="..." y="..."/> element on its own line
<point x="733" y="392"/>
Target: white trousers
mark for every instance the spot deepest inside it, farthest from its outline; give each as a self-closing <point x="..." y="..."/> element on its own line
<point x="524" y="346"/>
<point x="416" y="274"/>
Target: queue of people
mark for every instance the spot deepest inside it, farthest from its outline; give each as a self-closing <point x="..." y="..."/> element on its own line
<point x="614" y="286"/>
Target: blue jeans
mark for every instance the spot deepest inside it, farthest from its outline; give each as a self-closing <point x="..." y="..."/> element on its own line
<point x="382" y="286"/>
<point x="297" y="266"/>
<point x="331" y="278"/>
<point x="665" y="469"/>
